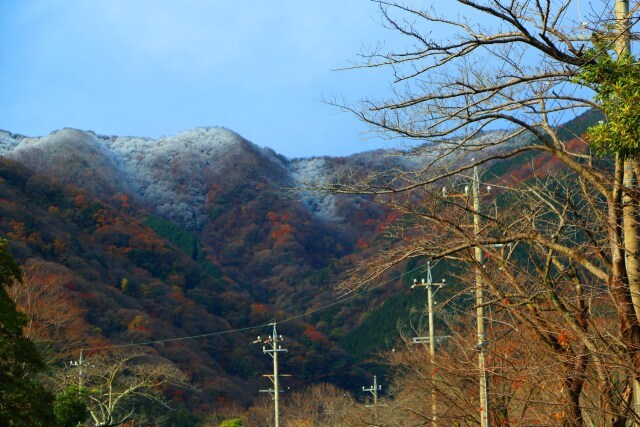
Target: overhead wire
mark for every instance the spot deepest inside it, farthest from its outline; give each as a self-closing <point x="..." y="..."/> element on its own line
<point x="579" y="14"/>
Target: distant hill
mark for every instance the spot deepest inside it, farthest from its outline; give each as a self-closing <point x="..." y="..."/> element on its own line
<point x="185" y="236"/>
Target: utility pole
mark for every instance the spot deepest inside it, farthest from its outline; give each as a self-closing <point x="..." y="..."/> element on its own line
<point x="272" y="347"/>
<point x="623" y="41"/>
<point x="432" y="347"/>
<point x="78" y="363"/>
<point x="481" y="344"/>
<point x="374" y="390"/>
<point x="481" y="334"/>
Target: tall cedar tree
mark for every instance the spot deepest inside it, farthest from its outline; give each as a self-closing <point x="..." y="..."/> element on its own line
<point x="23" y="402"/>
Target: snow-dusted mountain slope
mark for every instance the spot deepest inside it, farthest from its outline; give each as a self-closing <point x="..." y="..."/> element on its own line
<point x="178" y="176"/>
<point x="172" y="175"/>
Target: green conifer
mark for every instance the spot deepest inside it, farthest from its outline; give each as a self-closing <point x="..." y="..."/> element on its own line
<point x="23" y="401"/>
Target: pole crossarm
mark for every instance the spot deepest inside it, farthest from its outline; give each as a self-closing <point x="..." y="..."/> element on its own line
<point x="374" y="389"/>
<point x="427" y="340"/>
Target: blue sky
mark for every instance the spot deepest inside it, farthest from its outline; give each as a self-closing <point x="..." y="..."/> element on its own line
<point x="157" y="67"/>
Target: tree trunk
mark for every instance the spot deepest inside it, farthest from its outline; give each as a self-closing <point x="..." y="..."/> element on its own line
<point x="573" y="385"/>
<point x="630" y="226"/>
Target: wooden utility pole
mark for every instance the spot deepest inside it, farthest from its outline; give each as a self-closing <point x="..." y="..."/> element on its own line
<point x="78" y="363"/>
<point x="432" y="339"/>
<point x="374" y="390"/>
<point x="481" y="344"/>
<point x="481" y="334"/>
<point x="272" y="348"/>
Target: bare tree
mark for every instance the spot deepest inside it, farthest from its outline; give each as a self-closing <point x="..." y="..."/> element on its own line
<point x="117" y="381"/>
<point x="261" y="413"/>
<point x="55" y="323"/>
<point x="320" y="405"/>
<point x="564" y="267"/>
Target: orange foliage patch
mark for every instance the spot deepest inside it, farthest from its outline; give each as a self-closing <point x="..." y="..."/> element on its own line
<point x="315" y="335"/>
<point x="564" y="339"/>
<point x="283" y="231"/>
<point x="394" y="216"/>
<point x="146" y="241"/>
<point x="272" y="216"/>
<point x="124" y="200"/>
<point x="543" y="164"/>
<point x="259" y="308"/>
<point x="137" y="323"/>
<point x="80" y="200"/>
<point x="181" y="298"/>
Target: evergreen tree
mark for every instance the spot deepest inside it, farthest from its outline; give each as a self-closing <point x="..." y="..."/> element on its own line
<point x="70" y="409"/>
<point x="23" y="402"/>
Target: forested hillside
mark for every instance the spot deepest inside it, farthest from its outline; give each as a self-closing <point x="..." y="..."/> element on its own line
<point x="192" y="252"/>
<point x="203" y="234"/>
